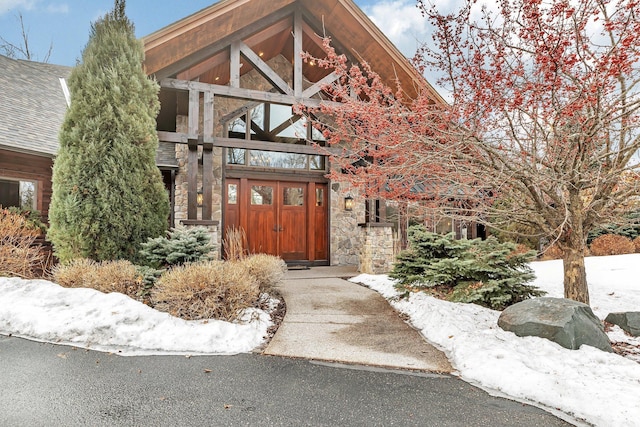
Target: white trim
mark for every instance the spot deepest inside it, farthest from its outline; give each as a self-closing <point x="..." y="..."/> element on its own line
<point x="65" y="90"/>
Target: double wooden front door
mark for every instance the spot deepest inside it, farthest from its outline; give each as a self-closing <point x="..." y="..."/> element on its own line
<point x="287" y="219"/>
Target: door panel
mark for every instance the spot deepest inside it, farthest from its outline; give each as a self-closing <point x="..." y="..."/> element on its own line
<point x="321" y="246"/>
<point x="293" y="222"/>
<point x="262" y="227"/>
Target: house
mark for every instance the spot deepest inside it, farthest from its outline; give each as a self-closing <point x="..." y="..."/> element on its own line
<point x="233" y="153"/>
<point x="33" y="100"/>
<point x="229" y="76"/>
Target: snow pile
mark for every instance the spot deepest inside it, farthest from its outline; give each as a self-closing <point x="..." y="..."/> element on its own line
<point x="45" y="311"/>
<point x="600" y="388"/>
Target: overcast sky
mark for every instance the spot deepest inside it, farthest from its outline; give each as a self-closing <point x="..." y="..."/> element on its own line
<point x="65" y="24"/>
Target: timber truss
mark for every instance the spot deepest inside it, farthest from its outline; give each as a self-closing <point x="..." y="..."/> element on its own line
<point x="216" y="73"/>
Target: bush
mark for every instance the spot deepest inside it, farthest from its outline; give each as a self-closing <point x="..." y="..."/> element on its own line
<point x="612" y="244"/>
<point x="267" y="269"/>
<point x="552" y="252"/>
<point x="485" y="272"/>
<point x="19" y="256"/>
<point x="180" y="246"/>
<point x="106" y="276"/>
<point x="636" y="244"/>
<point x="211" y="290"/>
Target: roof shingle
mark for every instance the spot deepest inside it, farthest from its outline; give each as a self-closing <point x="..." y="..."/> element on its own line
<point x="32" y="105"/>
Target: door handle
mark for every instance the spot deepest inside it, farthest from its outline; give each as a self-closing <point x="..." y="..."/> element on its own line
<point x="277" y="228"/>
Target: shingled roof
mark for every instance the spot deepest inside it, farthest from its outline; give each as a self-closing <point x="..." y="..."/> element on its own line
<point x="32" y="108"/>
<point x="32" y="105"/>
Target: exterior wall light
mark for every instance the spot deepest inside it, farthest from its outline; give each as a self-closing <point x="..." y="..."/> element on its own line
<point x="348" y="203"/>
<point x="199" y="198"/>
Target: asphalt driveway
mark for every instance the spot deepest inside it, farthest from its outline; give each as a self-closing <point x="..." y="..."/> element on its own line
<point x="50" y="385"/>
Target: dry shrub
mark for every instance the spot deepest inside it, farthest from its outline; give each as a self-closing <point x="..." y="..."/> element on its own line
<point x="210" y="290"/>
<point x="234" y="244"/>
<point x="267" y="269"/>
<point x="552" y="252"/>
<point x="636" y="244"/>
<point x="19" y="255"/>
<point x="106" y="276"/>
<point x="612" y="244"/>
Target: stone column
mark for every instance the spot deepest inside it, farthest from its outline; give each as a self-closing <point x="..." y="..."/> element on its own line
<point x="376" y="255"/>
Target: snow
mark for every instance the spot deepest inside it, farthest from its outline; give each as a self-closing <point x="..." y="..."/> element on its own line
<point x="599" y="388"/>
<point x="81" y="317"/>
<point x="590" y="385"/>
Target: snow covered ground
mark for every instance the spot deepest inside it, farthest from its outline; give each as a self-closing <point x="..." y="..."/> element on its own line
<point x="600" y="388"/>
<point x="44" y="311"/>
<point x="597" y="387"/>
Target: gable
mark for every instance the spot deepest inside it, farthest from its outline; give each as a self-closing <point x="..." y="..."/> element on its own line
<point x="197" y="47"/>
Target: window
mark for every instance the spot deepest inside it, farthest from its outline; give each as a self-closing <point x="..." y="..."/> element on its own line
<point x="232" y="194"/>
<point x="18" y="193"/>
<point x="319" y="196"/>
<point x="293" y="196"/>
<point x="261" y="195"/>
<point x="275" y="160"/>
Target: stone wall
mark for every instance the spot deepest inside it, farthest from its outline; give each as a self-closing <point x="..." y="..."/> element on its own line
<point x="377" y="254"/>
<point x="346" y="239"/>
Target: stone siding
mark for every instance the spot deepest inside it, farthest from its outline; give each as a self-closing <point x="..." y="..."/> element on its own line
<point x="346" y="239"/>
<point x="377" y="252"/>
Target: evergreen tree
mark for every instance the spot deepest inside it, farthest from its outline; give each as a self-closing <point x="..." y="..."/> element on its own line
<point x="108" y="194"/>
<point x="484" y="272"/>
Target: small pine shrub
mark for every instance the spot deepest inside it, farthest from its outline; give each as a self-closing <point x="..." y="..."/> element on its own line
<point x="484" y="272"/>
<point x="106" y="276"/>
<point x="612" y="244"/>
<point x="267" y="269"/>
<point x="636" y="244"/>
<point x="19" y="255"/>
<point x="180" y="246"/>
<point x="206" y="290"/>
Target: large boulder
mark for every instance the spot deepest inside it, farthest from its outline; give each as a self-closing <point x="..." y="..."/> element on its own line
<point x="629" y="321"/>
<point x="563" y="321"/>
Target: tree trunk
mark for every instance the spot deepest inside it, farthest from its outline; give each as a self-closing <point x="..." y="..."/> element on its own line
<point x="575" y="275"/>
<point x="573" y="247"/>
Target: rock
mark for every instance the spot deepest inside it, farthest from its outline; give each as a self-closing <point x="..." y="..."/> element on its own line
<point x="563" y="321"/>
<point x="629" y="321"/>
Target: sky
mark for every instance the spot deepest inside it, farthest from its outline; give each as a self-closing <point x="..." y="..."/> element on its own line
<point x="65" y="24"/>
<point x="587" y="385"/>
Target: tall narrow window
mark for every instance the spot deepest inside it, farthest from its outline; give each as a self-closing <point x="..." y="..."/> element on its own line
<point x="232" y="194"/>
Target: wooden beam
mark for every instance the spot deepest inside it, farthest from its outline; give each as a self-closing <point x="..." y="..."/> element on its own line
<point x="207" y="181"/>
<point x="282" y="126"/>
<point x="194" y="111"/>
<point x="297" y="52"/>
<point x="208" y="114"/>
<point x="182" y="138"/>
<point x="264" y="69"/>
<point x="234" y="65"/>
<point x="207" y="157"/>
<point x="319" y="85"/>
<point x="250" y="94"/>
<point x="192" y="180"/>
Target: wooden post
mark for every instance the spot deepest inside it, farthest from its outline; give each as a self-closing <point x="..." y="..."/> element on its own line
<point x="192" y="180"/>
<point x="207" y="157"/>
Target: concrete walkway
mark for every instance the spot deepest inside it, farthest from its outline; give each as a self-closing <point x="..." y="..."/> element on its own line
<point x="331" y="319"/>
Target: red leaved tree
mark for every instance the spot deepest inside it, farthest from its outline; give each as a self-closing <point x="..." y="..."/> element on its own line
<point x="542" y="129"/>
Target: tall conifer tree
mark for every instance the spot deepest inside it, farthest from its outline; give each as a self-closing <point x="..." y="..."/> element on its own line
<point x="108" y="194"/>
